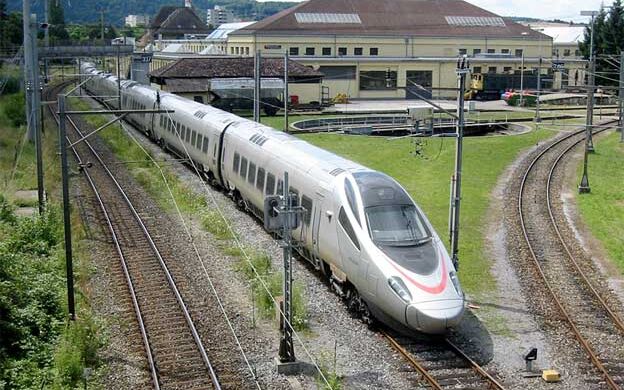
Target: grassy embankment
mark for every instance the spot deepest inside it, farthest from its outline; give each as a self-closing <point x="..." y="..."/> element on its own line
<point x="39" y="347"/>
<point x="193" y="205"/>
<point x="427" y="178"/>
<point x="602" y="210"/>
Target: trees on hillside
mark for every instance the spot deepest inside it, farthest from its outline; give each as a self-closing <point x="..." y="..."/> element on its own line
<point x="608" y="42"/>
<point x="57" y="21"/>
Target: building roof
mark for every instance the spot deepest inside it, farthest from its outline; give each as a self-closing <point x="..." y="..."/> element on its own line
<point x="225" y="29"/>
<point x="564" y="34"/>
<point x="196" y="68"/>
<point x="452" y="18"/>
<point x="181" y="20"/>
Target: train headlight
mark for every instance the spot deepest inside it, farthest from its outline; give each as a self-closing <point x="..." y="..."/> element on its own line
<point x="400" y="288"/>
<point x="455" y="280"/>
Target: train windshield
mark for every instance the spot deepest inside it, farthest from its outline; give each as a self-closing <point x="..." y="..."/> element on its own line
<point x="397" y="225"/>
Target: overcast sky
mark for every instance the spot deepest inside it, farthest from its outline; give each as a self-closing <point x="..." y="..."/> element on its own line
<point x="544" y="9"/>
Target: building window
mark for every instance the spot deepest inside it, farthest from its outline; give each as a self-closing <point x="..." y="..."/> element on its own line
<point x="507" y="69"/>
<point x="374" y="51"/>
<point x="342" y="51"/>
<point x="505" y="51"/>
<point x="519" y="52"/>
<point x="309" y="51"/>
<point x="293" y="51"/>
<point x="577" y="53"/>
<point x="358" y="51"/>
<point x="237" y="50"/>
<point x="246" y="51"/>
<point x="231" y="50"/>
<point x="491" y="69"/>
<point x="327" y="51"/>
<point x="377" y="80"/>
<point x="491" y="51"/>
<point x="566" y="52"/>
<point x="476" y="51"/>
<point x="476" y="69"/>
<point x="338" y="72"/>
<point x="463" y="52"/>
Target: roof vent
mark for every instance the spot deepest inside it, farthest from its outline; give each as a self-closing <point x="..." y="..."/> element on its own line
<point x="304" y="17"/>
<point x="200" y="114"/>
<point x="475" y="21"/>
<point x="336" y="171"/>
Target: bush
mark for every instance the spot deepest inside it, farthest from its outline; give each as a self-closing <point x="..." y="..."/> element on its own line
<point x="15" y="109"/>
<point x="6" y="211"/>
<point x="12" y="85"/>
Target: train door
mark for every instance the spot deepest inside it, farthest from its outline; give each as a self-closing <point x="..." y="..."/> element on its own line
<point x="349" y="248"/>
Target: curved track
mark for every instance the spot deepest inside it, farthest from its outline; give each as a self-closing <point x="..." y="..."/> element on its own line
<point x="578" y="300"/>
<point x="442" y="364"/>
<point x="176" y="355"/>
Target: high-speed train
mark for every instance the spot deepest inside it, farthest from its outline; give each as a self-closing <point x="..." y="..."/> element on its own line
<point x="361" y="229"/>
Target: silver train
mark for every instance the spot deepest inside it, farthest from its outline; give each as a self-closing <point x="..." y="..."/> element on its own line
<point x="361" y="229"/>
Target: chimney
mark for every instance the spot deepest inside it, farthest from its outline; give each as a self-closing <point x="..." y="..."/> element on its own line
<point x="188" y="3"/>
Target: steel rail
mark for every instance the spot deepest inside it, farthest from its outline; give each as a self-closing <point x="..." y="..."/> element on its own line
<point x="592" y="355"/>
<point x="616" y="319"/>
<point x="475" y="366"/>
<point x="124" y="265"/>
<point x="161" y="261"/>
<point x="494" y="384"/>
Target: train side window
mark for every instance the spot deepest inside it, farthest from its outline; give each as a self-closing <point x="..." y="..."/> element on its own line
<point x="187" y="133"/>
<point x="280" y="187"/>
<point x="294" y="191"/>
<point x="199" y="141"/>
<point x="243" y="168"/>
<point x="193" y="138"/>
<point x="251" y="177"/>
<point x="346" y="225"/>
<point x="260" y="180"/>
<point x="179" y="130"/>
<point x="205" y="144"/>
<point x="352" y="202"/>
<point x="236" y="162"/>
<point x="306" y="203"/>
<point x="270" y="184"/>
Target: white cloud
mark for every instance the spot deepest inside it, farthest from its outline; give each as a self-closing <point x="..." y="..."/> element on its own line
<point x="561" y="9"/>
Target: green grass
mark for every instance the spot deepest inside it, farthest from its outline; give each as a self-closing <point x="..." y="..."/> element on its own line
<point x="603" y="209"/>
<point x="427" y="178"/>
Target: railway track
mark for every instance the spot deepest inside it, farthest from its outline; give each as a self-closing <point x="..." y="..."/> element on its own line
<point x="567" y="273"/>
<point x="176" y="355"/>
<point x="442" y="364"/>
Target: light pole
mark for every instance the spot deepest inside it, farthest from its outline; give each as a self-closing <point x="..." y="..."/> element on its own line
<point x="589" y="120"/>
<point x="521" y="100"/>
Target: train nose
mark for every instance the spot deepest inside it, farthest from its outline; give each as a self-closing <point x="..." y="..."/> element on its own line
<point x="435" y="316"/>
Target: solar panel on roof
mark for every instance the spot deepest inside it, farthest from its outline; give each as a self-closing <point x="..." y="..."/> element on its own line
<point x="305" y="17"/>
<point x="475" y="21"/>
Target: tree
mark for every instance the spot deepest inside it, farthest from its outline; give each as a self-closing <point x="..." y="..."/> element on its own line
<point x="608" y="42"/>
<point x="57" y="21"/>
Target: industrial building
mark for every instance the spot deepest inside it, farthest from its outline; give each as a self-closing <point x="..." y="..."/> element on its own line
<point x="379" y="49"/>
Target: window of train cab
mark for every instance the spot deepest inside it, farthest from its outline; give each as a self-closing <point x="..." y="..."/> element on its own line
<point x="346" y="225"/>
<point x="260" y="179"/>
<point x="307" y="205"/>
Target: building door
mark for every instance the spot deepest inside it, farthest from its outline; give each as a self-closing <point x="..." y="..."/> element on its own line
<point x="424" y="78"/>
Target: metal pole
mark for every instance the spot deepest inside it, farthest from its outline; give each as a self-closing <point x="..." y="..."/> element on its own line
<point x="46" y="37"/>
<point x="66" y="209"/>
<point x="462" y="70"/>
<point x="538" y="118"/>
<point x="257" y="86"/>
<point x="286" y="348"/>
<point x="39" y="156"/>
<point x="589" y="120"/>
<point x="286" y="97"/>
<point x="28" y="68"/>
<point x="621" y="111"/>
<point x="521" y="100"/>
<point x="118" y="81"/>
